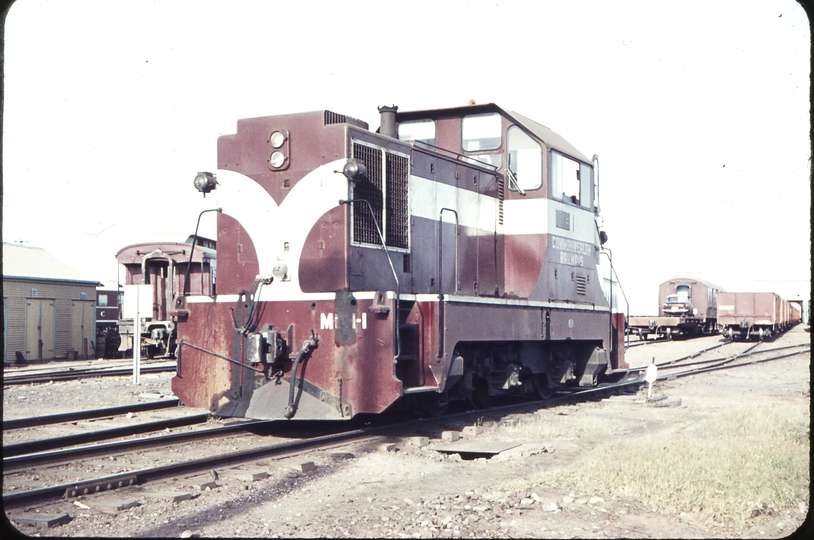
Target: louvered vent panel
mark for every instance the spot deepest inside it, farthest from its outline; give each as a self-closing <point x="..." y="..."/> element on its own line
<point x="398" y="212"/>
<point x="334" y="118"/>
<point x="369" y="189"/>
<point x="581" y="285"/>
<point x="500" y="196"/>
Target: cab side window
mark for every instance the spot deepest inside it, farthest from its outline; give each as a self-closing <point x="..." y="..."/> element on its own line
<point x="417" y="130"/>
<point x="480" y="132"/>
<point x="571" y="180"/>
<point x="481" y="137"/>
<point x="525" y="160"/>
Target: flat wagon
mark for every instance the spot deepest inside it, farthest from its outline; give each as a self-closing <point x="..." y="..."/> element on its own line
<point x="687" y="306"/>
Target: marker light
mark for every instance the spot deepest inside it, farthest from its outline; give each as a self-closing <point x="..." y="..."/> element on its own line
<point x="277" y="139"/>
<point x="277" y="159"/>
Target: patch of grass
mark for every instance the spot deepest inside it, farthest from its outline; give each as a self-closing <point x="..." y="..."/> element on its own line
<point x="734" y="463"/>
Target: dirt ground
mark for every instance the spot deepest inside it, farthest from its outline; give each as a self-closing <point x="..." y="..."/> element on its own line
<point x="405" y="490"/>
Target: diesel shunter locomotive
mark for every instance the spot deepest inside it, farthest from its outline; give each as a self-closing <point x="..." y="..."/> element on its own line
<point x="453" y="254"/>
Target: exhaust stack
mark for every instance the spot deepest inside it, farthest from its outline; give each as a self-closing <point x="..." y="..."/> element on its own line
<point x="388" y="121"/>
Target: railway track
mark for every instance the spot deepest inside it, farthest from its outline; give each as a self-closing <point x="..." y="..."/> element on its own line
<point x="48" y="374"/>
<point x="286" y="448"/>
<point x="34" y="421"/>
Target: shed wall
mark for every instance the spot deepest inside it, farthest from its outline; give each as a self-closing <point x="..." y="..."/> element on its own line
<point x="68" y="330"/>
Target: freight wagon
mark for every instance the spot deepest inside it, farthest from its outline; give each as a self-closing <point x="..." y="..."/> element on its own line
<point x="745" y="315"/>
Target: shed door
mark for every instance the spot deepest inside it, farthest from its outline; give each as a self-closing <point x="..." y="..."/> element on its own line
<point x="39" y="329"/>
<point x="82" y="325"/>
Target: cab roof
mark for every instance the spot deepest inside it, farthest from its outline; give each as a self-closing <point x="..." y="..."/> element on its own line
<point x="545" y="134"/>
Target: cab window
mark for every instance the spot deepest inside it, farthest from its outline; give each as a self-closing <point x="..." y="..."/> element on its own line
<point x="481" y="132"/>
<point x="417" y="130"/>
<point x="571" y="180"/>
<point x="525" y="160"/>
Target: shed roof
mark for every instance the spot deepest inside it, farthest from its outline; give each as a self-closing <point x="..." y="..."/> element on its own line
<point x="25" y="262"/>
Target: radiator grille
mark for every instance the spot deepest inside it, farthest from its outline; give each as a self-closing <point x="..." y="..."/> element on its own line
<point x="581" y="285"/>
<point x="370" y="190"/>
<point x="385" y="188"/>
<point x="398" y="214"/>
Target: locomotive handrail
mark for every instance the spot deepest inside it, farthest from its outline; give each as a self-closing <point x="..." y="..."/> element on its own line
<point x="447" y="153"/>
<point x="192" y="250"/>
<point x="441" y="276"/>
<point x="184" y="343"/>
<point x="609" y="254"/>
<point x="392" y="269"/>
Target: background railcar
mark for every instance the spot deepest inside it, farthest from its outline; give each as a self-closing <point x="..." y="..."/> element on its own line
<point x="748" y="315"/>
<point x="687" y="306"/>
<point x="108" y="303"/>
<point x="450" y="255"/>
<point x="165" y="267"/>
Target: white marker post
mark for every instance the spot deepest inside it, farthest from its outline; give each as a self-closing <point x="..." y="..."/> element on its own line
<point x="650" y="375"/>
<point x="137" y="341"/>
<point x="134" y="297"/>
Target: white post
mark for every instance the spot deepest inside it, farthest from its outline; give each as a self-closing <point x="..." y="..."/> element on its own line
<point x="137" y="340"/>
<point x="650" y="375"/>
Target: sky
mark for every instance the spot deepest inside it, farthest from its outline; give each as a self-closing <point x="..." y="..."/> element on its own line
<point x="698" y="110"/>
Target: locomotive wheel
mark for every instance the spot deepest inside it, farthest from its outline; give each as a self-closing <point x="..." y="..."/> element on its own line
<point x="542" y="387"/>
<point x="480" y="397"/>
<point x="433" y="406"/>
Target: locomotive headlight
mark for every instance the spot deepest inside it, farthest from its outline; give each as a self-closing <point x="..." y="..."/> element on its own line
<point x="277" y="159"/>
<point x="277" y="139"/>
<point x="280" y="271"/>
<point x="354" y="171"/>
<point x="205" y="182"/>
